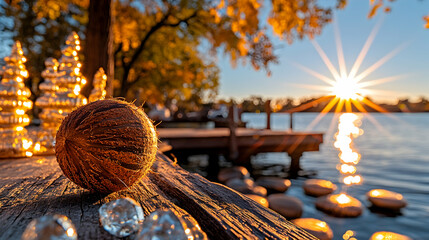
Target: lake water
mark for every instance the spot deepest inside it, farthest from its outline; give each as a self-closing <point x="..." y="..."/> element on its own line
<point x="394" y="152"/>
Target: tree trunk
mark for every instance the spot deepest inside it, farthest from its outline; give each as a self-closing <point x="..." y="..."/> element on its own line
<point x="99" y="44"/>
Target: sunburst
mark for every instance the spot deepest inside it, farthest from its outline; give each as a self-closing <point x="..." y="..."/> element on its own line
<point x="348" y="90"/>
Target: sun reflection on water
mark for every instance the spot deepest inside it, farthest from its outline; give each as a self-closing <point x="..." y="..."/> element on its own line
<point x="348" y="129"/>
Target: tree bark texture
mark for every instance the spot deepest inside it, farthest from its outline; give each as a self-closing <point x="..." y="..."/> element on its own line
<point x="99" y="44"/>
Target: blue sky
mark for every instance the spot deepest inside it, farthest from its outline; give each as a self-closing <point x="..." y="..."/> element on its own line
<point x="403" y="25"/>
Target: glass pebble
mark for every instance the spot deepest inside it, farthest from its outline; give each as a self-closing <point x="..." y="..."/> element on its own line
<point x="165" y="225"/>
<point x="193" y="231"/>
<point x="55" y="227"/>
<point x="121" y="217"/>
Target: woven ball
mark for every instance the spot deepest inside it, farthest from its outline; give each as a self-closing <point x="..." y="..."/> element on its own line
<point x="106" y="146"/>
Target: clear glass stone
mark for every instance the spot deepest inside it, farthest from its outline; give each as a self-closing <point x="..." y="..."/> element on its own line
<point x="56" y="227"/>
<point x="165" y="225"/>
<point x="121" y="217"/>
<point x="193" y="231"/>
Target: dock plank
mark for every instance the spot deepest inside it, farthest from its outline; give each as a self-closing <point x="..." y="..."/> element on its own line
<point x="187" y="141"/>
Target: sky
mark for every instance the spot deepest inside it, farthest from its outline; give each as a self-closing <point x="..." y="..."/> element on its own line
<point x="402" y="28"/>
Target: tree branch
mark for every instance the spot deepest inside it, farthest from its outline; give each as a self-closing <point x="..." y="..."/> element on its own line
<point x="153" y="29"/>
<point x="184" y="20"/>
<point x="118" y="49"/>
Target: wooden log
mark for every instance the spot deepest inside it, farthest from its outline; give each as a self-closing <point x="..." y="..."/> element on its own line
<point x="31" y="188"/>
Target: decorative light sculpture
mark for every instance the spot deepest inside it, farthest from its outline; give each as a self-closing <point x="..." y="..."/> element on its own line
<point x="99" y="82"/>
<point x="60" y="93"/>
<point x="14" y="103"/>
<point x="52" y="113"/>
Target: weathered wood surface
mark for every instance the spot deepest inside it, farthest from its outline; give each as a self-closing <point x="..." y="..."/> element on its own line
<point x="30" y="188"/>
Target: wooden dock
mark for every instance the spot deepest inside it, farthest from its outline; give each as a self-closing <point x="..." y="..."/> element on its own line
<point x="34" y="187"/>
<point x="241" y="143"/>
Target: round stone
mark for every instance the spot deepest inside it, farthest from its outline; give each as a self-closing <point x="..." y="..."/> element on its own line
<point x="261" y="191"/>
<point x="386" y="199"/>
<point x="233" y="172"/>
<point x="388" y="236"/>
<point x="318" y="187"/>
<point x="121" y="217"/>
<point x="340" y="205"/>
<point x="274" y="184"/>
<point x="50" y="228"/>
<point x="289" y="207"/>
<point x="261" y="200"/>
<point x="316" y="227"/>
<point x="241" y="185"/>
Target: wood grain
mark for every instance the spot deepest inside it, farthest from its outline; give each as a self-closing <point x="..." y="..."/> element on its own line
<point x="31" y="188"/>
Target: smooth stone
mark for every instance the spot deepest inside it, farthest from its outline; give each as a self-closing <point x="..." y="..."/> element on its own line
<point x="386" y="199"/>
<point x="289" y="207"/>
<point x="316" y="227"/>
<point x="339" y="205"/>
<point x="261" y="191"/>
<point x="318" y="187"/>
<point x="261" y="200"/>
<point x="388" y="236"/>
<point x="233" y="172"/>
<point x="241" y="185"/>
<point x="121" y="217"/>
<point x="274" y="184"/>
<point x="50" y="228"/>
<point x="246" y="186"/>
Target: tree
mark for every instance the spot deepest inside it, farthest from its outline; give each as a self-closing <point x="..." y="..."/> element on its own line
<point x="200" y="27"/>
<point x="232" y="26"/>
<point x="376" y="5"/>
<point x="99" y="42"/>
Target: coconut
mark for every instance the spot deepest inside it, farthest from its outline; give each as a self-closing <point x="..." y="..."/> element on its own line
<point x="106" y="146"/>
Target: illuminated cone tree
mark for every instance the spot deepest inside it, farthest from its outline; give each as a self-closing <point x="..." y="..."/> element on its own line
<point x="98" y="92"/>
<point x="60" y="93"/>
<point x="14" y="103"/>
<point x="52" y="113"/>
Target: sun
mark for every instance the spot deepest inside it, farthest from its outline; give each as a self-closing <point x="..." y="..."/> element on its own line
<point x="347" y="89"/>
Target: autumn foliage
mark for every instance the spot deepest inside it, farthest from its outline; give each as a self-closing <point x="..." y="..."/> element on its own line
<point x="166" y="50"/>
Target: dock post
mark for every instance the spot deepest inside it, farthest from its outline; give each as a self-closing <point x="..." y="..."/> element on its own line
<point x="294" y="164"/>
<point x="268" y="112"/>
<point x="233" y="147"/>
<point x="291" y="121"/>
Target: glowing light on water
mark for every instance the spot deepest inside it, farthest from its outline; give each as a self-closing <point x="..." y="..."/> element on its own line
<point x="348" y="129"/>
<point x="349" y="180"/>
<point x="343" y="199"/>
<point x="348" y="235"/>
